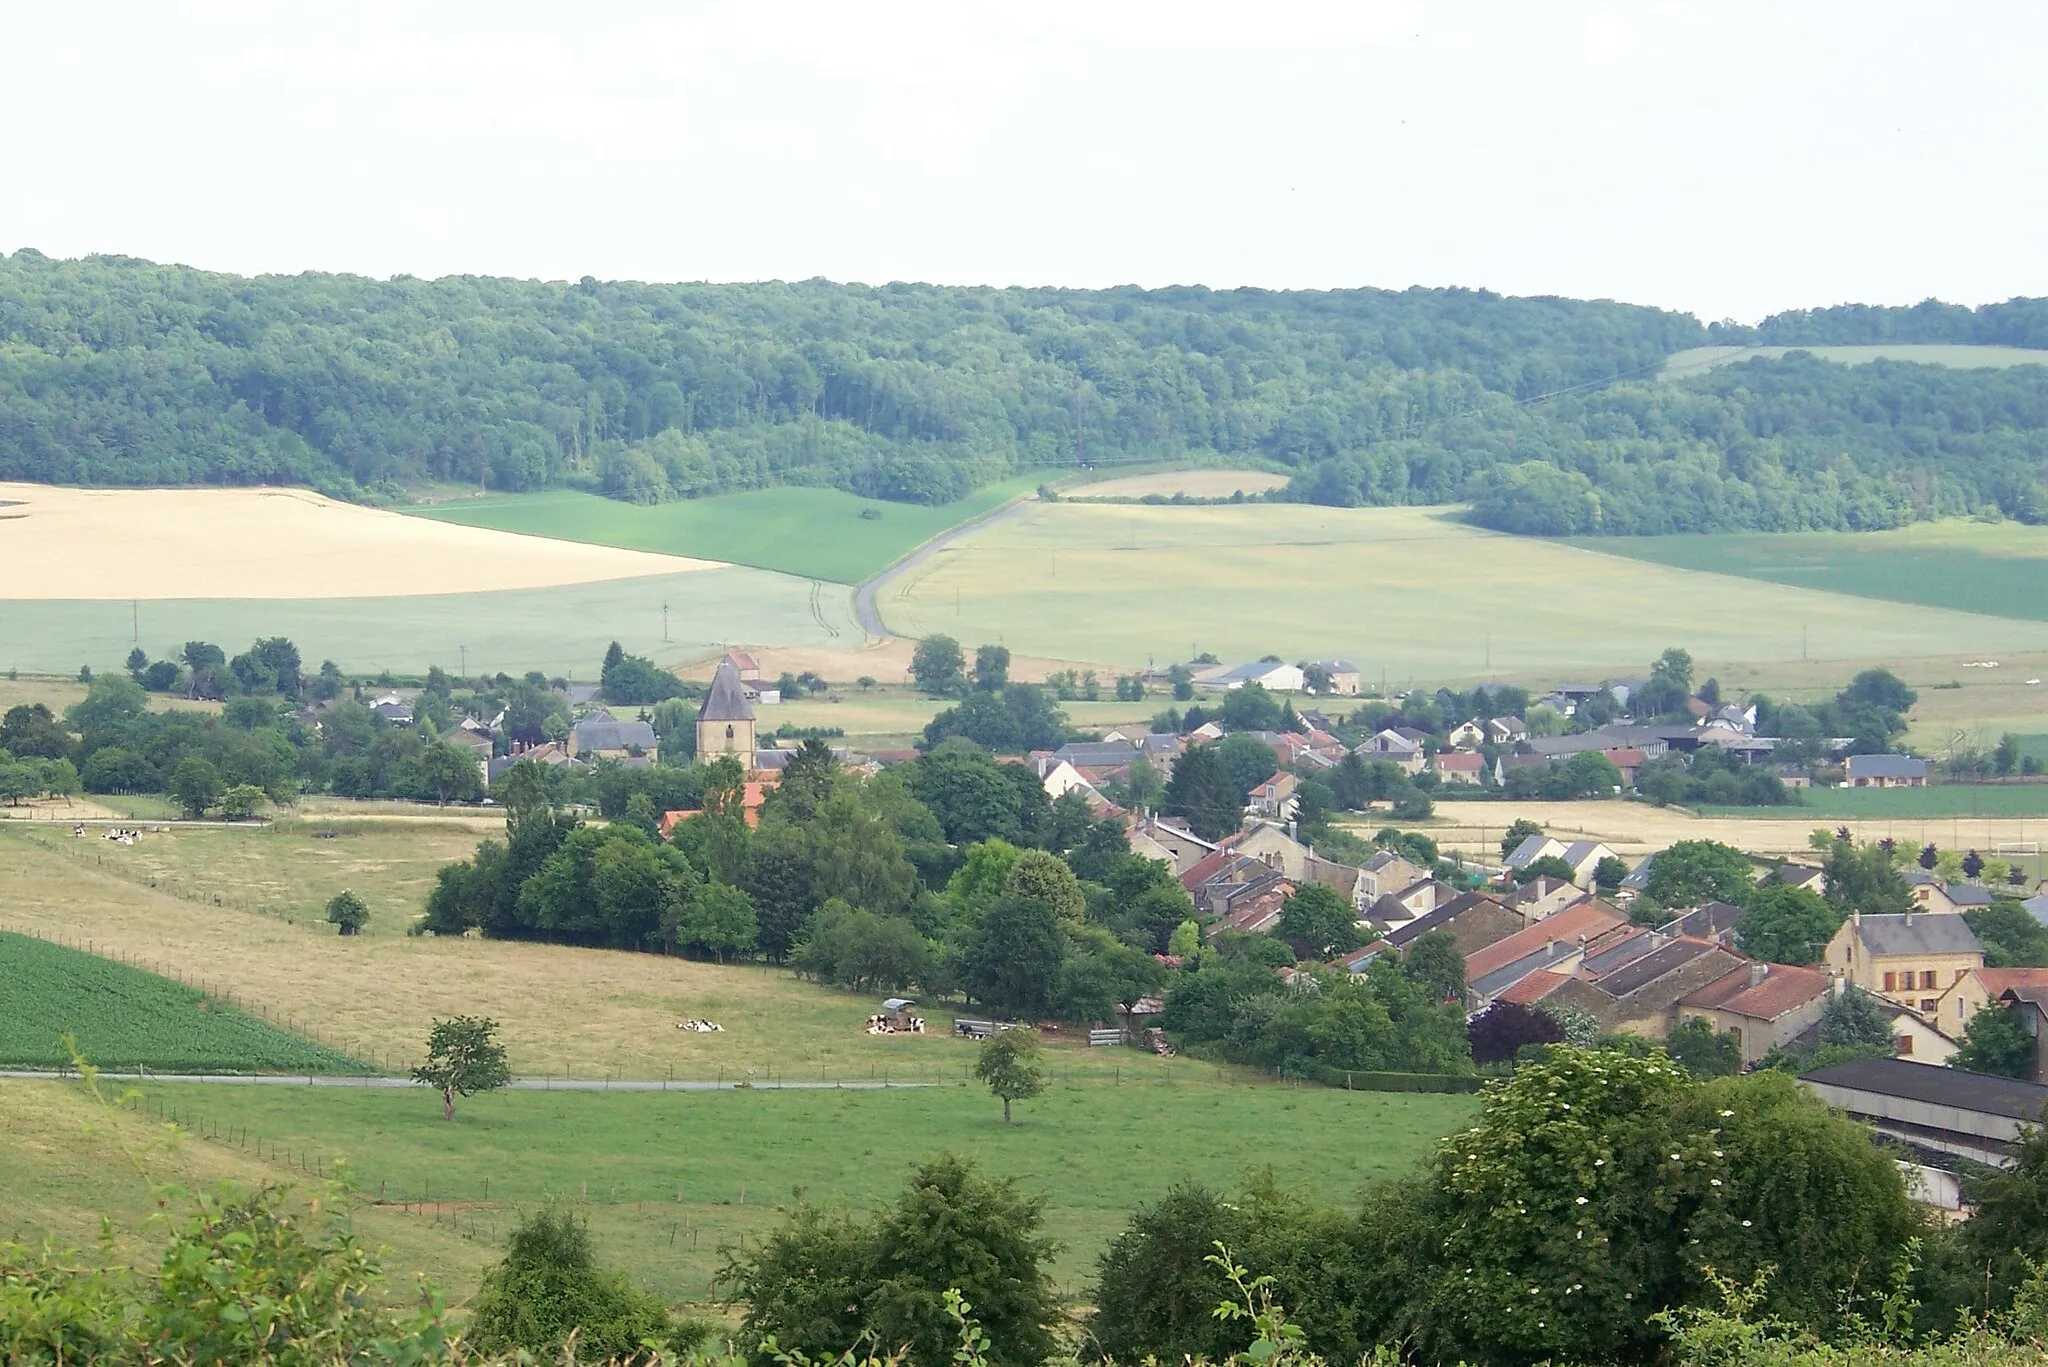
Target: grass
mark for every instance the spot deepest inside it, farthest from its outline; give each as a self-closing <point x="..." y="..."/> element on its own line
<point x="68" y="1161"/>
<point x="1937" y="800"/>
<point x="559" y="630"/>
<point x="817" y="533"/>
<point x="576" y="1012"/>
<point x="1996" y="568"/>
<point x="1408" y="593"/>
<point x="1961" y="356"/>
<point x="123" y="1017"/>
<point x="665" y="1178"/>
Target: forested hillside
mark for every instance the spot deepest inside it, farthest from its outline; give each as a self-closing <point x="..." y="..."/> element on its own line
<point x="1545" y="413"/>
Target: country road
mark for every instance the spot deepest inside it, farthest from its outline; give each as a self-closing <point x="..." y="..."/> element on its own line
<point x="864" y="597"/>
<point x="519" y="1085"/>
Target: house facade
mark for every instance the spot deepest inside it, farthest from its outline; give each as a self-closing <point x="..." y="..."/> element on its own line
<point x="1909" y="960"/>
<point x="1886" y="771"/>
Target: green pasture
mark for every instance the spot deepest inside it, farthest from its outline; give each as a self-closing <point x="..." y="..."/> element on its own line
<point x="123" y="1017"/>
<point x="1996" y="568"/>
<point x="816" y="533"/>
<point x="1411" y="594"/>
<point x="1695" y="360"/>
<point x="666" y="1178"/>
<point x="1910" y="804"/>
<point x="560" y="630"/>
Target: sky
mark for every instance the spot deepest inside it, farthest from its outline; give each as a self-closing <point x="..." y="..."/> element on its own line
<point x="1731" y="159"/>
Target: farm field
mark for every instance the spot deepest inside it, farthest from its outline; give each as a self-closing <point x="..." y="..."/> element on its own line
<point x="1937" y="800"/>
<point x="584" y="1013"/>
<point x="1193" y="483"/>
<point x="1410" y="592"/>
<point x="273" y="543"/>
<point x="562" y="630"/>
<point x="712" y="1166"/>
<point x="1636" y="828"/>
<point x="1996" y="568"/>
<point x="1695" y="360"/>
<point x="816" y="533"/>
<point x="123" y="1017"/>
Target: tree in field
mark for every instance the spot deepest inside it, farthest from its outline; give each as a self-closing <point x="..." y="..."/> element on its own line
<point x="1787" y="925"/>
<point x="991" y="667"/>
<point x="346" y="910"/>
<point x="1319" y="922"/>
<point x="1516" y="834"/>
<point x="463" y="1058"/>
<point x="445" y="772"/>
<point x="1009" y="1065"/>
<point x="1201" y="793"/>
<point x="1996" y="1042"/>
<point x="938" y="665"/>
<point x="239" y="802"/>
<point x="196" y="784"/>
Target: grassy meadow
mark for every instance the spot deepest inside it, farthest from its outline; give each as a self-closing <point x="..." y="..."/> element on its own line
<point x="1695" y="360"/>
<point x="1996" y="568"/>
<point x="666" y="1178"/>
<point x="815" y="533"/>
<point x="1410" y="592"/>
<point x="123" y="1017"/>
<point x="561" y="630"/>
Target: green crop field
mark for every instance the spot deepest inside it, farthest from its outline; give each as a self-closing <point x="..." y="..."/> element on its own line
<point x="559" y="630"/>
<point x="713" y="1166"/>
<point x="1910" y="804"/>
<point x="123" y="1017"/>
<point x="817" y="533"/>
<point x="1963" y="357"/>
<point x="1408" y="592"/>
<point x="1996" y="568"/>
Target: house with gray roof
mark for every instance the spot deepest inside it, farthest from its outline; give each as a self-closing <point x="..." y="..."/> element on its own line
<point x="1886" y="771"/>
<point x="602" y="738"/>
<point x="1910" y="959"/>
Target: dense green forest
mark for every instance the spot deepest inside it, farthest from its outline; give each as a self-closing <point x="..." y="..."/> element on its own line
<point x="1545" y="413"/>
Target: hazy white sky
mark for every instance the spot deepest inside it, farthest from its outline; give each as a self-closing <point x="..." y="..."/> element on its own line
<point x="1728" y="158"/>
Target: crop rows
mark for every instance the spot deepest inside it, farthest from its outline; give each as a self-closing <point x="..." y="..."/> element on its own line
<point x="123" y="1017"/>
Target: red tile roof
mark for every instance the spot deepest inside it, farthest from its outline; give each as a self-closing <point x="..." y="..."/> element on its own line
<point x="1588" y="919"/>
<point x="1534" y="988"/>
<point x="1997" y="981"/>
<point x="1459" y="761"/>
<point x="1784" y="989"/>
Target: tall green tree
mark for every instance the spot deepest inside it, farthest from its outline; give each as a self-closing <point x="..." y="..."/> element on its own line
<point x="938" y="666"/>
<point x="463" y="1058"/>
<point x="1202" y="793"/>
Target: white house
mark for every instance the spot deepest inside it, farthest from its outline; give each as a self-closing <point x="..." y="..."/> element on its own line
<point x="1277" y="678"/>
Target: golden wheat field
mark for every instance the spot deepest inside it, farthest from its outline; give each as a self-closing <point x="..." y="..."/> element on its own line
<point x="274" y="543"/>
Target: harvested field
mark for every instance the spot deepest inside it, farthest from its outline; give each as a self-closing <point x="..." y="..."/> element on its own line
<point x="274" y="543"/>
<point x="1193" y="483"/>
<point x="1634" y="828"/>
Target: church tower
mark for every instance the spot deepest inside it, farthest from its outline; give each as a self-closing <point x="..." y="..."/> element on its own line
<point x="725" y="724"/>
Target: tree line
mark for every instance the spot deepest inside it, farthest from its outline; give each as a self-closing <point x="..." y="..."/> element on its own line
<point x="1546" y="413"/>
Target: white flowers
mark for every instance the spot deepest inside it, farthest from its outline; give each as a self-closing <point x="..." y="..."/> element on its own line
<point x="1745" y="1224"/>
<point x="1715" y="1182"/>
<point x="1726" y="1114"/>
<point x="1582" y="1200"/>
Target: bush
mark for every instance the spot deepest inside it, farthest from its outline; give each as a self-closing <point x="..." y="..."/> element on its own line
<point x="549" y="1285"/>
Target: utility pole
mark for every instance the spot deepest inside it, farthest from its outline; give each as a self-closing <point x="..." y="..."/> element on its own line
<point x="664" y="623"/>
<point x="462" y="653"/>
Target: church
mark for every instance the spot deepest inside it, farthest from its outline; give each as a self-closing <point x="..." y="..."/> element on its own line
<point x="725" y="723"/>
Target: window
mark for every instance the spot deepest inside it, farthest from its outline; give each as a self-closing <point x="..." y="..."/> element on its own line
<point x="1927" y="980"/>
<point x="1959" y="1008"/>
<point x="728" y="736"/>
<point x="1927" y="1006"/>
<point x="1903" y="1045"/>
<point x="1891" y="982"/>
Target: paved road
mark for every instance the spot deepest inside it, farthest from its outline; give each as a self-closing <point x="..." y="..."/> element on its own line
<point x="864" y="597"/>
<point x="520" y="1085"/>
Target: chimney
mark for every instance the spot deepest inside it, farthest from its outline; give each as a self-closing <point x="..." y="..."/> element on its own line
<point x="1856" y="917"/>
<point x="1909" y="914"/>
<point x="1291" y="833"/>
<point x="1757" y="973"/>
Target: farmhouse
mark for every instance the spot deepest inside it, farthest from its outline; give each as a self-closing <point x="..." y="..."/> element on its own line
<point x="1277" y="678"/>
<point x="1274" y="799"/>
<point x="1343" y="677"/>
<point x="1886" y="771"/>
<point x="1981" y="987"/>
<point x="1459" y="767"/>
<point x="725" y="723"/>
